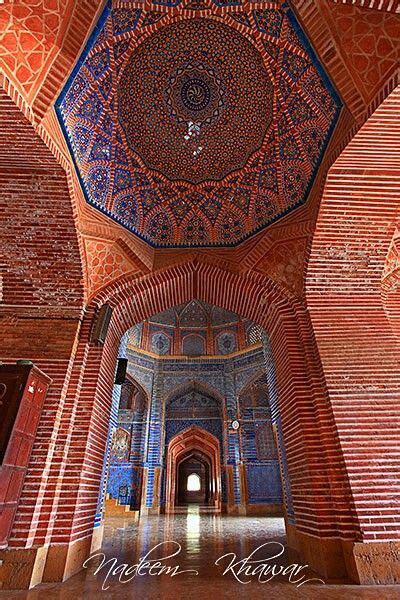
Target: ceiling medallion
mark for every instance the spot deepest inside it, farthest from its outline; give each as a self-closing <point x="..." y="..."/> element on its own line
<point x="195" y="94"/>
<point x="195" y="100"/>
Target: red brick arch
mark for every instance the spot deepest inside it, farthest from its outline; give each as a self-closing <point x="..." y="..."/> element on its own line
<point x="193" y="438"/>
<point x="322" y="501"/>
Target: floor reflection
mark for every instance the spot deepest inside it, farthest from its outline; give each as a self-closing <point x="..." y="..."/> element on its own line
<point x="193" y="531"/>
<point x="203" y="537"/>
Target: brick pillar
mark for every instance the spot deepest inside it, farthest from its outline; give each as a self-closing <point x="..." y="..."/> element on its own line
<point x="40" y="317"/>
<point x="82" y="445"/>
<point x="358" y="347"/>
<point x="276" y="419"/>
<point x="322" y="504"/>
<point x="113" y="424"/>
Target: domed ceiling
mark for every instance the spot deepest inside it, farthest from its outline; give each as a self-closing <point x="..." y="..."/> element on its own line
<point x="197" y="123"/>
<point x="194" y="329"/>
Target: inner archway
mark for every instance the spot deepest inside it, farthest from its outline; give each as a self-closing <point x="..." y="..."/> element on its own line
<point x="189" y="390"/>
<point x="195" y="449"/>
<point x="193" y="480"/>
<point x="298" y="394"/>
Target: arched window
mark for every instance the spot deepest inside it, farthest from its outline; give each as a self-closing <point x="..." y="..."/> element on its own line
<point x="193" y="345"/>
<point x="127" y="393"/>
<point x="193" y="483"/>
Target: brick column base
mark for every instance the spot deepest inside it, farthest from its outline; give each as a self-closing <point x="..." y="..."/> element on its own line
<point x="25" y="568"/>
<point x="373" y="563"/>
<point x="22" y="569"/>
<point x="334" y="559"/>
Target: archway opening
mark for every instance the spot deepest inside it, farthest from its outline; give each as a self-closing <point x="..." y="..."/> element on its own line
<point x="295" y="381"/>
<point x="222" y="394"/>
<point x="194" y="480"/>
<point x="193" y="475"/>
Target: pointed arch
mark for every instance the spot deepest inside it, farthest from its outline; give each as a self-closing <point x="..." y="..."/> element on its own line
<point x="185" y="320"/>
<point x="194" y="385"/>
<point x="260" y="373"/>
<point x="193" y="438"/>
<point x="140" y="389"/>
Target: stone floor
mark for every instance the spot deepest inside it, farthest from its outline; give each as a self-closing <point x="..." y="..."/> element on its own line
<point x="203" y="537"/>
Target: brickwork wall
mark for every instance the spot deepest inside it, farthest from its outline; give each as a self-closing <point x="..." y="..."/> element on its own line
<point x="359" y="351"/>
<point x="41" y="291"/>
<point x="41" y="262"/>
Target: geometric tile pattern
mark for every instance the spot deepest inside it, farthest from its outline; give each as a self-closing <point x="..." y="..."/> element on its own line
<point x="264" y="483"/>
<point x="160" y="343"/>
<point x="193" y="345"/>
<point x="193" y="106"/>
<point x="193" y="404"/>
<point x="265" y="443"/>
<point x="31" y="37"/>
<point x="226" y="342"/>
<point x="210" y="103"/>
<point x="193" y="329"/>
<point x="106" y="262"/>
<point x="284" y="263"/>
<point x="368" y="40"/>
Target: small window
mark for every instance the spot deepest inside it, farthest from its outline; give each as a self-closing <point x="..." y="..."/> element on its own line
<point x="193" y="483"/>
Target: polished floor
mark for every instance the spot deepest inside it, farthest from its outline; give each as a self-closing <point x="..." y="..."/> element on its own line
<point x="192" y="541"/>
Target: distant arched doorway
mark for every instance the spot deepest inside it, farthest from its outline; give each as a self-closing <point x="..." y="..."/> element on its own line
<point x="196" y="452"/>
<point x="193" y="479"/>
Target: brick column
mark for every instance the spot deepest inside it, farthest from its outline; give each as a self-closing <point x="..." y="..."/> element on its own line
<point x="276" y="419"/>
<point x="359" y="350"/>
<point x="113" y="424"/>
<point x="40" y="317"/>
